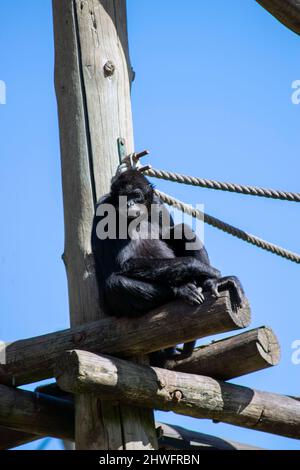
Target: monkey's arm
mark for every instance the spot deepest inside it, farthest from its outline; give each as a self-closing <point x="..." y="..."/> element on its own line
<point x="169" y="271"/>
<point x="184" y="242"/>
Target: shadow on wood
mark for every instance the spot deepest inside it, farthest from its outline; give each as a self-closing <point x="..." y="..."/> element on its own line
<point x="30" y="360"/>
<point x="187" y="394"/>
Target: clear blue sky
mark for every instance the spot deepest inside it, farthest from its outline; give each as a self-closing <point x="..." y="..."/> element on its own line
<point x="212" y="98"/>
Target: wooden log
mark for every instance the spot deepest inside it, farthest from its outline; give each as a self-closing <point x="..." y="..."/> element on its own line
<point x="285" y="11"/>
<point x="36" y="413"/>
<point x="187" y="394"/>
<point x="232" y="357"/>
<point x="173" y="437"/>
<point x="9" y="438"/>
<point x="169" y="437"/>
<point x="30" y="360"/>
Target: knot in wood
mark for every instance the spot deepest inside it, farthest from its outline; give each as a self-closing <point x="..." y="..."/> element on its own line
<point x="109" y="69"/>
<point x="161" y="383"/>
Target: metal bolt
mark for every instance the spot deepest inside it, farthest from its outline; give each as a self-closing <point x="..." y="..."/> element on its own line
<point x="109" y="69"/>
<point x="177" y="395"/>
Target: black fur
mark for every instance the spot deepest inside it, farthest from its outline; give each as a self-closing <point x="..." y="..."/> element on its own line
<point x="137" y="275"/>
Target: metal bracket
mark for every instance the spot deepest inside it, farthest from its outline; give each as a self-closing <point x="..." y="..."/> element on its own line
<point x="121" y="149"/>
<point x="130" y="161"/>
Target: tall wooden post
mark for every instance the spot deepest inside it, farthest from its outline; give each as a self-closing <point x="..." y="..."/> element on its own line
<point x="92" y="80"/>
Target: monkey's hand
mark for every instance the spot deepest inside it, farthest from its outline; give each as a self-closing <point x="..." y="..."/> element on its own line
<point x="189" y="293"/>
<point x="232" y="283"/>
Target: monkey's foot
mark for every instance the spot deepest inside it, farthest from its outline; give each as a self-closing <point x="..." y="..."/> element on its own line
<point x="231" y="283"/>
<point x="189" y="293"/>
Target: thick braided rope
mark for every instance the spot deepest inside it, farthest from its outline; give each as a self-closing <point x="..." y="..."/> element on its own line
<point x="236" y="232"/>
<point x="231" y="187"/>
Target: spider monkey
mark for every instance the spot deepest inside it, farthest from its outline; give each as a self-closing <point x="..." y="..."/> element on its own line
<point x="136" y="273"/>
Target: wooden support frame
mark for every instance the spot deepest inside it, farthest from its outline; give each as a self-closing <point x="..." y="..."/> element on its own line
<point x="170" y="437"/>
<point x="173" y="437"/>
<point x="10" y="438"/>
<point x="89" y="66"/>
<point x="187" y="394"/>
<point x="40" y="414"/>
<point x="232" y="357"/>
<point x="30" y="360"/>
<point x="285" y="11"/>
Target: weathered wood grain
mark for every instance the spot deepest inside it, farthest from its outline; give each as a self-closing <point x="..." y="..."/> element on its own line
<point x="169" y="437"/>
<point x="187" y="394"/>
<point x="178" y="438"/>
<point x="36" y="413"/>
<point x="30" y="360"/>
<point x="232" y="357"/>
<point x="92" y="81"/>
<point x="285" y="11"/>
<point x="9" y="438"/>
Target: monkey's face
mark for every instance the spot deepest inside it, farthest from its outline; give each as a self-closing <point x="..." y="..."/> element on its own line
<point x="132" y="195"/>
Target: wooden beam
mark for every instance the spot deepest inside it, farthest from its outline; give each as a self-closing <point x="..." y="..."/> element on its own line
<point x="169" y="437"/>
<point x="285" y="11"/>
<point x="30" y="360"/>
<point x="9" y="438"/>
<point x="92" y="81"/>
<point x="173" y="437"/>
<point x="36" y="413"/>
<point x="232" y="357"/>
<point x="187" y="394"/>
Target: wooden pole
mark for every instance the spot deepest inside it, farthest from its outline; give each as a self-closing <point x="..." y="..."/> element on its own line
<point x="232" y="357"/>
<point x="285" y="11"/>
<point x="192" y="395"/>
<point x="92" y="80"/>
<point x="30" y="360"/>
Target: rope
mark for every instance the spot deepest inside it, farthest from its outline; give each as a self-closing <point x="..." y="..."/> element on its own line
<point x="213" y="221"/>
<point x="231" y="187"/>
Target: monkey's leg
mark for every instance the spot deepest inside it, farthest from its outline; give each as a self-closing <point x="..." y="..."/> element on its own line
<point x="131" y="297"/>
<point x="170" y="271"/>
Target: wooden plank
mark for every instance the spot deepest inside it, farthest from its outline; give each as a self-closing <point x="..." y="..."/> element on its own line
<point x="285" y="11"/>
<point x="9" y="438"/>
<point x="30" y="360"/>
<point x="232" y="357"/>
<point x="92" y="81"/>
<point x="36" y="413"/>
<point x="169" y="437"/>
<point x="187" y="394"/>
<point x="178" y="438"/>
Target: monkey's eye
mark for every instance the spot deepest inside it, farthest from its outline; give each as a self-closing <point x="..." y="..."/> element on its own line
<point x="138" y="196"/>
